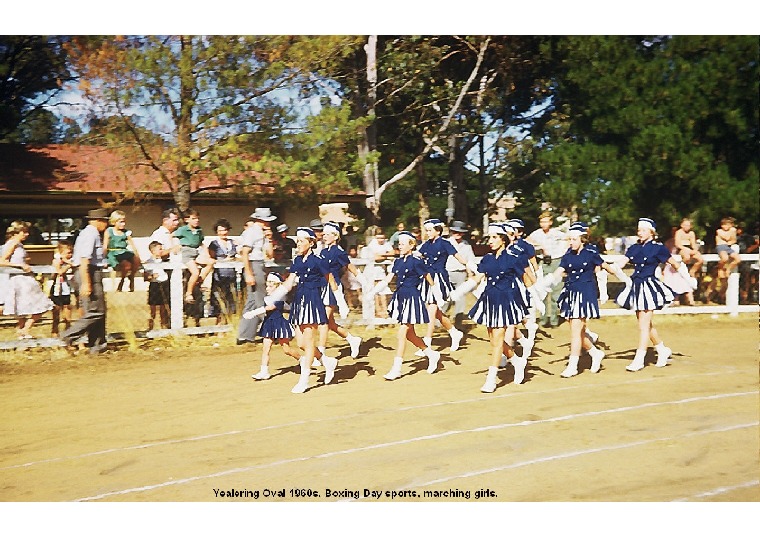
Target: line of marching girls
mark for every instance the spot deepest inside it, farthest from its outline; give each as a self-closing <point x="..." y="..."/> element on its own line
<point x="510" y="285"/>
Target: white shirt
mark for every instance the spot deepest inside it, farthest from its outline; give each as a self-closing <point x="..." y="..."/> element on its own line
<point x="463" y="249"/>
<point x="253" y="237"/>
<point x="374" y="248"/>
<point x="552" y="242"/>
<point x="165" y="237"/>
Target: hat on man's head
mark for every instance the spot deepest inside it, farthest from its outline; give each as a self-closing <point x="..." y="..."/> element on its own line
<point x="263" y="213"/>
<point x="316" y="224"/>
<point x="282" y="228"/>
<point x="458" y="226"/>
<point x="97" y="214"/>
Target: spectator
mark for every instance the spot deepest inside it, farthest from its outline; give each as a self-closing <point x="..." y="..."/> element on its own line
<point x="89" y="260"/>
<point x="60" y="291"/>
<point x="23" y="297"/>
<point x="170" y="249"/>
<point x="551" y="241"/>
<point x="120" y="249"/>
<point x="223" y="280"/>
<point x="457" y="271"/>
<point x="284" y="245"/>
<point x="158" y="287"/>
<point x="685" y="245"/>
<point x="394" y="238"/>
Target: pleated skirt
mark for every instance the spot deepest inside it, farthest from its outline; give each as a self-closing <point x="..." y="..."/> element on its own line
<point x="647" y="294"/>
<point x="407" y="307"/>
<point x="439" y="280"/>
<point x="497" y="308"/>
<point x="580" y="303"/>
<point x="276" y="326"/>
<point x="308" y="307"/>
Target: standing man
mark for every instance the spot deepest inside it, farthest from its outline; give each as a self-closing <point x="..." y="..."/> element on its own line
<point x="458" y="271"/>
<point x="551" y="241"/>
<point x="88" y="262"/>
<point x="252" y="244"/>
<point x="318" y="228"/>
<point x="284" y="245"/>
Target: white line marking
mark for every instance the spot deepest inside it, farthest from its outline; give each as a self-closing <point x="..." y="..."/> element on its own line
<point x="409" y="441"/>
<point x="342" y="417"/>
<point x="719" y="490"/>
<point x="570" y="454"/>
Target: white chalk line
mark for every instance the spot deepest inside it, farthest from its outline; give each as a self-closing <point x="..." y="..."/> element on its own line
<point x="571" y="454"/>
<point x="406" y="441"/>
<point x="719" y="491"/>
<point x="341" y="417"/>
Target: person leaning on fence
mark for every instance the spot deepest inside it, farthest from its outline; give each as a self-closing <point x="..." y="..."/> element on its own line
<point x="644" y="292"/>
<point x="726" y="247"/>
<point x="89" y="261"/>
<point x="191" y="239"/>
<point x="170" y="248"/>
<point x="578" y="300"/>
<point x="121" y="252"/>
<point x="23" y="295"/>
<point x="62" y="288"/>
<point x="685" y="245"/>
<point x="407" y="306"/>
<point x="223" y="279"/>
<point x="252" y="245"/>
<point x="158" y="287"/>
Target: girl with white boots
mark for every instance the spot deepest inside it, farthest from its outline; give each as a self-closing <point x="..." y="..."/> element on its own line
<point x="644" y="293"/>
<point x="577" y="301"/>
<point x="407" y="305"/>
<point x="500" y="306"/>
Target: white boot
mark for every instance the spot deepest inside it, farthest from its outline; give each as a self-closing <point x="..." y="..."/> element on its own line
<point x="456" y="337"/>
<point x="263" y="374"/>
<point x="572" y="367"/>
<point x="663" y="353"/>
<point x="355" y="342"/>
<point x="490" y="384"/>
<point x="330" y="365"/>
<point x="428" y="342"/>
<point x="395" y="371"/>
<point x="303" y="381"/>
<point x="638" y="361"/>
<point x="433" y="357"/>
<point x="503" y="361"/>
<point x="527" y="347"/>
<point x="532" y="329"/>
<point x="596" y="359"/>
<point x="519" y="363"/>
<point x="593" y="336"/>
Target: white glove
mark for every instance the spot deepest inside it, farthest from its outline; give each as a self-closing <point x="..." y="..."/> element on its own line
<point x="342" y="305"/>
<point x="537" y="301"/>
<point x="381" y="285"/>
<point x="253" y="313"/>
<point x="684" y="272"/>
<point x="620" y="274"/>
<point x="601" y="281"/>
<point x="361" y="278"/>
<point x="543" y="286"/>
<point x="479" y="289"/>
<point x="472" y="266"/>
<point x="466" y="286"/>
<point x="438" y="296"/>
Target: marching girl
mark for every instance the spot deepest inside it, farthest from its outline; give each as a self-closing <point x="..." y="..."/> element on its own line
<point x="337" y="259"/>
<point x="275" y="328"/>
<point x="407" y="305"/>
<point x="308" y="309"/>
<point x="644" y="293"/>
<point x="500" y="306"/>
<point x="436" y="251"/>
<point x="578" y="298"/>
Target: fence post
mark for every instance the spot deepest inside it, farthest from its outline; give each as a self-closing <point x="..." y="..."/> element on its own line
<point x="177" y="297"/>
<point x="732" y="294"/>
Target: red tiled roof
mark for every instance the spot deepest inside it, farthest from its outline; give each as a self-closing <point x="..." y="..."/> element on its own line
<point x="93" y="169"/>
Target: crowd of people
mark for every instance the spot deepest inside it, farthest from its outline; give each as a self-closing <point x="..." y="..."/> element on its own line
<point x="418" y="277"/>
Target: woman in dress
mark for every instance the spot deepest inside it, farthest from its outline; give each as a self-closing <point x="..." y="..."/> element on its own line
<point x="120" y="249"/>
<point x="23" y="295"/>
<point x="644" y="293"/>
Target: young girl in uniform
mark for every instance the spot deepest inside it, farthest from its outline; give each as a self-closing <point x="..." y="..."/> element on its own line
<point x="578" y="298"/>
<point x="334" y="299"/>
<point x="500" y="306"/>
<point x="644" y="293"/>
<point x="436" y="251"/>
<point x="407" y="305"/>
<point x="275" y="328"/>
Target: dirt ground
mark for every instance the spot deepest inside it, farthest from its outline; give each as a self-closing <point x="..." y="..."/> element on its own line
<point x="182" y="421"/>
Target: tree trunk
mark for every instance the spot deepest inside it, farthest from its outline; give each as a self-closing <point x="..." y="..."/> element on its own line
<point x="422" y="189"/>
<point x="457" y="206"/>
<point x="369" y="138"/>
<point x="184" y="123"/>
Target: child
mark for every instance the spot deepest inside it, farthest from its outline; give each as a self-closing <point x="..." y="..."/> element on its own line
<point x="191" y="239"/>
<point x="407" y="305"/>
<point x="644" y="293"/>
<point x="725" y="239"/>
<point x="120" y="249"/>
<point x="60" y="291"/>
<point x="275" y="328"/>
<point x="685" y="245"/>
<point x="578" y="299"/>
<point x="223" y="280"/>
<point x="334" y="299"/>
<point x="158" y="286"/>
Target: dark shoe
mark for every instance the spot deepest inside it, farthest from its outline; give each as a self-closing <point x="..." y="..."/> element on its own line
<point x="242" y="341"/>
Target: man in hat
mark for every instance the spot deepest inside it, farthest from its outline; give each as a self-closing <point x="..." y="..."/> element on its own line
<point x="88" y="262"/>
<point x="458" y="271"/>
<point x="284" y="245"/>
<point x="551" y="241"/>
<point x="318" y="228"/>
<point x="252" y="244"/>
